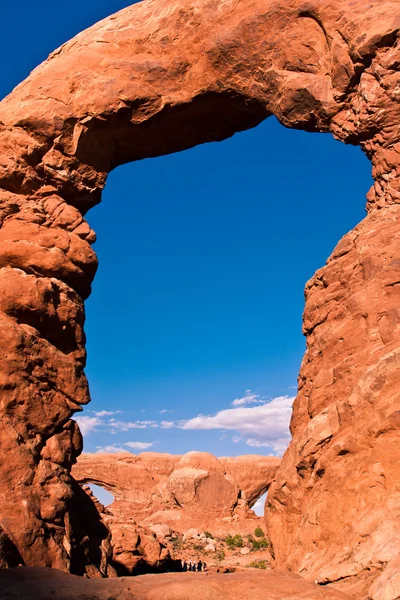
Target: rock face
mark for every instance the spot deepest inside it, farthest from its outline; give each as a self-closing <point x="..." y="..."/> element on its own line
<point x="45" y="584"/>
<point x="131" y="549"/>
<point x="342" y="467"/>
<point x="196" y="490"/>
<point x="158" y="78"/>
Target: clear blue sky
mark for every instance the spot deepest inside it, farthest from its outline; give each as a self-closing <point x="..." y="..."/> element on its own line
<point x="203" y="260"/>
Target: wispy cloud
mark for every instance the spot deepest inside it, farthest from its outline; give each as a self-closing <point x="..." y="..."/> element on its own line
<point x="107" y="413"/>
<point x="279" y="444"/>
<point x="248" y="398"/>
<point x="114" y="449"/>
<point x="88" y="424"/>
<point x="267" y="424"/>
<point x="139" y="445"/>
<point x="114" y="426"/>
<point x="101" y="422"/>
<point x="109" y="449"/>
<point x="263" y="425"/>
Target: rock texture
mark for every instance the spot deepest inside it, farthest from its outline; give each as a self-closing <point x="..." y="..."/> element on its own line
<point x="336" y="499"/>
<point x="196" y="490"/>
<point x="132" y="549"/>
<point x="46" y="584"/>
<point x="158" y="77"/>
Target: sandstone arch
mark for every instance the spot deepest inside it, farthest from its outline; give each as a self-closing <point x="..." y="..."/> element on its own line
<point x="195" y="490"/>
<point x="163" y="76"/>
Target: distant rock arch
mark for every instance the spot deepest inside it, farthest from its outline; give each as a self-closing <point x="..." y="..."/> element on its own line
<point x="163" y="76"/>
<point x="195" y="490"/>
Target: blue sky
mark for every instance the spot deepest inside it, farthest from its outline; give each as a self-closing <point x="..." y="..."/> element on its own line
<point x="194" y="325"/>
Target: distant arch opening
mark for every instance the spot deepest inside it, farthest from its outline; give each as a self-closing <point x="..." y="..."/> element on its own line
<point x="102" y="495"/>
<point x="259" y="505"/>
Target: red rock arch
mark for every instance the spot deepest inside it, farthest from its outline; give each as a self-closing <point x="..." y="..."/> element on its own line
<point x="149" y="483"/>
<point x="159" y="77"/>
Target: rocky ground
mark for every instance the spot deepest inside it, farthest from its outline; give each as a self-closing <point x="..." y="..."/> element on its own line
<point x="29" y="583"/>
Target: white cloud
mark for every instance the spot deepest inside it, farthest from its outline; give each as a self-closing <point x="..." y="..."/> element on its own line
<point x="115" y="425"/>
<point x="109" y="449"/>
<point x="248" y="398"/>
<point x="102" y="422"/>
<point x="279" y="445"/>
<point x="256" y="443"/>
<point x="107" y="413"/>
<point x="88" y="424"/>
<point x="266" y="424"/>
<point x="139" y="445"/>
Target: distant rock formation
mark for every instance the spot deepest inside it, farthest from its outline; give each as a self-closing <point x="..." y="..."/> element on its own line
<point x="133" y="549"/>
<point x="159" y="77"/>
<point x="196" y="490"/>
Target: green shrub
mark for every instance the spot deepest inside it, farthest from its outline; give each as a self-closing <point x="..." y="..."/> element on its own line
<point x="209" y="535"/>
<point x="258" y="564"/>
<point x="258" y="532"/>
<point x="234" y="542"/>
<point x="259" y="544"/>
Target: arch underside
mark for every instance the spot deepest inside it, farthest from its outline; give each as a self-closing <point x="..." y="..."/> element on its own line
<point x="163" y="76"/>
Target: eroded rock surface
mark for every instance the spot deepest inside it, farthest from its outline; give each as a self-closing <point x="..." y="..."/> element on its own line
<point x="132" y="549"/>
<point x="45" y="584"/>
<point x="159" y="77"/>
<point x="342" y="467"/>
<point x="196" y="490"/>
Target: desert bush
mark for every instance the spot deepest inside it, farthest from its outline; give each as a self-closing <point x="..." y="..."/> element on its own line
<point x="259" y="544"/>
<point x="258" y="532"/>
<point x="235" y="541"/>
<point x="258" y="564"/>
<point x="209" y="535"/>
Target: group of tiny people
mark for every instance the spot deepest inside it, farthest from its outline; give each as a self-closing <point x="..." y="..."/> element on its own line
<point x="193" y="565"/>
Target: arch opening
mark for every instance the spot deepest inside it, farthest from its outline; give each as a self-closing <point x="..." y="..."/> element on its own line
<point x="104" y="496"/>
<point x="259" y="505"/>
<point x="210" y="250"/>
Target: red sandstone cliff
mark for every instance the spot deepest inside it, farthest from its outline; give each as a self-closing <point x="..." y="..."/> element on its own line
<point x="159" y="77"/>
